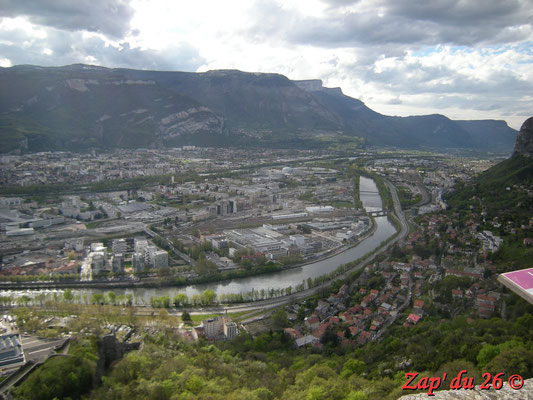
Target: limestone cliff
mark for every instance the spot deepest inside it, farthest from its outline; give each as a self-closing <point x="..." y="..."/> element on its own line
<point x="524" y="141"/>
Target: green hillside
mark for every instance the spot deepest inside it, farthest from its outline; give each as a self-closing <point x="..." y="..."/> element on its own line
<point x="502" y="191"/>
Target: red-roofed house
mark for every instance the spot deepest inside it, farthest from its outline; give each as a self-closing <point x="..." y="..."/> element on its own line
<point x="363" y="337"/>
<point x="312" y="323"/>
<point x="355" y="309"/>
<point x="457" y="293"/>
<point x="418" y="305"/>
<point x="413" y="318"/>
<point x="293" y="333"/>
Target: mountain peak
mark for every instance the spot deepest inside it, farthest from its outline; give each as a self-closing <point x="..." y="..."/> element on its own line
<point x="524" y="141"/>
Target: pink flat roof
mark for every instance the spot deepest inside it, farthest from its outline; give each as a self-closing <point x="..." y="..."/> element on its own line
<point x="523" y="278"/>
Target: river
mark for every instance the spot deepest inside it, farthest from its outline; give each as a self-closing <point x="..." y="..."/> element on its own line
<point x="278" y="280"/>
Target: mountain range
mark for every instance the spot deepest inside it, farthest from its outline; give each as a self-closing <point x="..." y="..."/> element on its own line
<point x="80" y="106"/>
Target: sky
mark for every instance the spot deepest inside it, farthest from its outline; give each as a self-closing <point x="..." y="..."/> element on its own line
<point x="466" y="59"/>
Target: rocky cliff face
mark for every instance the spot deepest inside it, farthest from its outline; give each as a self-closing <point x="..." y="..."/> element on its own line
<point x="79" y="107"/>
<point x="524" y="141"/>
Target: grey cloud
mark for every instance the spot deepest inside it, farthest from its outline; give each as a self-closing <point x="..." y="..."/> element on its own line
<point x="457" y="12"/>
<point x="395" y="101"/>
<point x="403" y="22"/>
<point x="110" y="17"/>
<point x="416" y="78"/>
<point x="341" y="2"/>
<point x="71" y="47"/>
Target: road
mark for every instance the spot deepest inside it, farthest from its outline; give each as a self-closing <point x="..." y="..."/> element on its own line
<point x="182" y="255"/>
<point x="279" y="301"/>
<point x="426" y="196"/>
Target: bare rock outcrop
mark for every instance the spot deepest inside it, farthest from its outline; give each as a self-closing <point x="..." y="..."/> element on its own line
<point x="524" y="141"/>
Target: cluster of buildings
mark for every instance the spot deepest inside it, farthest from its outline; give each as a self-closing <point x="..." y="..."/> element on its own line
<point x="17" y="220"/>
<point x="148" y="256"/>
<point x="97" y="166"/>
<point x="489" y="241"/>
<point x="217" y="328"/>
<point x="72" y="208"/>
<point x="359" y="323"/>
<point x="99" y="260"/>
<point x="402" y="287"/>
<point x="268" y="242"/>
<point x="275" y="241"/>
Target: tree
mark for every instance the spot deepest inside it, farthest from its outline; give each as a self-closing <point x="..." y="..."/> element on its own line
<point x="352" y="366"/>
<point x="185" y="316"/>
<point x="279" y="319"/>
<point x="58" y="377"/>
<point x="357" y="395"/>
<point x="208" y="297"/>
<point x="330" y="338"/>
<point x="163" y="314"/>
<point x="112" y="297"/>
<point x="67" y="295"/>
<point x="180" y="300"/>
<point x="517" y="360"/>
<point x="97" y="298"/>
<point x="300" y="316"/>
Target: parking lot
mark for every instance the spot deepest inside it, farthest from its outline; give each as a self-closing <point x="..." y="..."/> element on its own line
<point x="39" y="349"/>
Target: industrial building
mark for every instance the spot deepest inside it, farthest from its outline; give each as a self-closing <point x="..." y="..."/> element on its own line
<point x="11" y="351"/>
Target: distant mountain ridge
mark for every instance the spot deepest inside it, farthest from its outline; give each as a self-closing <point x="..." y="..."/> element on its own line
<point x="81" y="106"/>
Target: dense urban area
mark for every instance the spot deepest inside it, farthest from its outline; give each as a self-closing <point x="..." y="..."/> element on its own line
<point x="118" y="266"/>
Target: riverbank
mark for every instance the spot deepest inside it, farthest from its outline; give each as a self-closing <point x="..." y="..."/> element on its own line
<point x="265" y="286"/>
<point x="174" y="281"/>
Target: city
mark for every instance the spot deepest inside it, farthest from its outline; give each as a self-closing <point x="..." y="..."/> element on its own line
<point x="266" y="200"/>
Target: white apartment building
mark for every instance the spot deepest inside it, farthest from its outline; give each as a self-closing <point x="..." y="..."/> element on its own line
<point x="230" y="330"/>
<point x="119" y="246"/>
<point x="160" y="259"/>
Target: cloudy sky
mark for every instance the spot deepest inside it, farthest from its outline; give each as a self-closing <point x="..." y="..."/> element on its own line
<point x="467" y="59"/>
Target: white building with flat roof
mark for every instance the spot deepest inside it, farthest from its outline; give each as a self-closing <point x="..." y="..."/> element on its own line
<point x="214" y="327"/>
<point x="160" y="259"/>
<point x="230" y="330"/>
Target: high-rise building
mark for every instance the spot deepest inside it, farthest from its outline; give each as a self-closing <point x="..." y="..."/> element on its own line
<point x="138" y="262"/>
<point x="230" y="330"/>
<point x="119" y="246"/>
<point x="160" y="259"/>
<point x="214" y="327"/>
<point x="117" y="263"/>
<point x="140" y="244"/>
